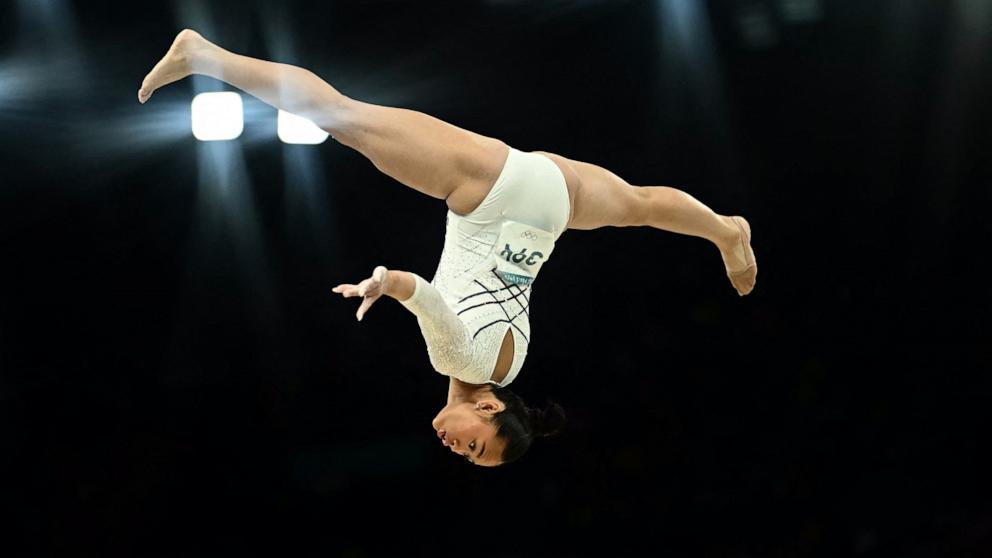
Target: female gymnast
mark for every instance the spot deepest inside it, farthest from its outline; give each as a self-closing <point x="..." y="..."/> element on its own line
<point x="506" y="208"/>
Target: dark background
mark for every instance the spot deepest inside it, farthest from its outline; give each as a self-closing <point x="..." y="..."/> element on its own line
<point x="176" y="378"/>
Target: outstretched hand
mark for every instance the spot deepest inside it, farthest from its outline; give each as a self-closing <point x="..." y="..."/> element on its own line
<point x="370" y="290"/>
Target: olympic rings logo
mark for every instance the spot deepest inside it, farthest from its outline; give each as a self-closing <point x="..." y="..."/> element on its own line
<point x="529" y="235"/>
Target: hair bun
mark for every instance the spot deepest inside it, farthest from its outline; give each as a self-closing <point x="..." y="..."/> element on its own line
<point x="548" y="421"/>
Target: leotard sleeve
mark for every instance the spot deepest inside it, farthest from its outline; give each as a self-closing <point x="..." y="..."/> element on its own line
<point x="449" y="343"/>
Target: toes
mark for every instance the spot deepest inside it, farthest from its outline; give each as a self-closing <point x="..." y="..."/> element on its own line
<point x="743" y="282"/>
<point x="147" y="87"/>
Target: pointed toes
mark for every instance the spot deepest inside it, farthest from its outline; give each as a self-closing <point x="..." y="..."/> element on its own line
<point x="744" y="280"/>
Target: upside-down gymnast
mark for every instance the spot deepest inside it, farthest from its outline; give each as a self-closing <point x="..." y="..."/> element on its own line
<point x="506" y="208"/>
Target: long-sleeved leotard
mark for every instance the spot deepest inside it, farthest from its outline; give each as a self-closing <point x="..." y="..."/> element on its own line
<point x="466" y="310"/>
<point x="463" y="339"/>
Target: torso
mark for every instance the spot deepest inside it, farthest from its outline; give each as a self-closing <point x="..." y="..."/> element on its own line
<point x="494" y="311"/>
<point x="505" y="359"/>
<point x="466" y="199"/>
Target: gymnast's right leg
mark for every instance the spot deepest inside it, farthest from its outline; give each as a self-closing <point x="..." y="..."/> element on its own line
<point x="419" y="151"/>
<point x="603" y="199"/>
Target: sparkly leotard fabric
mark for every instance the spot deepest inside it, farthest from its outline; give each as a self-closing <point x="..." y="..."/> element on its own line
<point x="466" y="310"/>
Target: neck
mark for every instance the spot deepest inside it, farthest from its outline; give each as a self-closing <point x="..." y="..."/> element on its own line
<point x="461" y="392"/>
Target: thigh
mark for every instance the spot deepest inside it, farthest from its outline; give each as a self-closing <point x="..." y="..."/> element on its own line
<point x="599" y="198"/>
<point x="424" y="153"/>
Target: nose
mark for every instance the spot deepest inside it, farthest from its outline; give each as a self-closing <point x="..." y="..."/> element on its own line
<point x="444" y="437"/>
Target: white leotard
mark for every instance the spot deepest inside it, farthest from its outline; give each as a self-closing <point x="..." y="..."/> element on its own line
<point x="466" y="310"/>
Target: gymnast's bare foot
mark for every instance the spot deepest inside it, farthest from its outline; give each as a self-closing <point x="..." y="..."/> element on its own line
<point x="738" y="258"/>
<point x="175" y="65"/>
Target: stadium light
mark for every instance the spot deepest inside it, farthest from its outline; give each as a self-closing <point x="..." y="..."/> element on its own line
<point x="217" y="116"/>
<point x="296" y="129"/>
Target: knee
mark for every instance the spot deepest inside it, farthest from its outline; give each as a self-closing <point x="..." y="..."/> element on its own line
<point x="340" y="118"/>
<point x="636" y="207"/>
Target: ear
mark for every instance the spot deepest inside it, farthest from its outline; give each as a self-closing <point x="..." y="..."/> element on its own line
<point x="490" y="407"/>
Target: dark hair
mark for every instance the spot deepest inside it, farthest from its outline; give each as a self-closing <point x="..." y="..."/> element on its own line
<point x="518" y="425"/>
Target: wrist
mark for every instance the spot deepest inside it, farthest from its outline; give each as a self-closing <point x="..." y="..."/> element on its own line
<point x="388" y="283"/>
<point x="399" y="285"/>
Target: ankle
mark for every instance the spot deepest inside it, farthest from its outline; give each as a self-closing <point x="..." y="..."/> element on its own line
<point x="729" y="235"/>
<point x="192" y="51"/>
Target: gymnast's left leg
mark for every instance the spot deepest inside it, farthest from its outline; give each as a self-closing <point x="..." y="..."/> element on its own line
<point x="419" y="151"/>
<point x="603" y="199"/>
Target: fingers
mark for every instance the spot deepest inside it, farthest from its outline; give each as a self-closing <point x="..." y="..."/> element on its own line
<point x="369" y="286"/>
<point x="366" y="304"/>
<point x="365" y="288"/>
<point x="368" y="289"/>
<point x="362" y="289"/>
<point x="346" y="290"/>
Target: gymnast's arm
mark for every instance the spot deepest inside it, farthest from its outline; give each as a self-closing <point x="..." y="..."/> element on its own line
<point x="449" y="344"/>
<point x="401" y="285"/>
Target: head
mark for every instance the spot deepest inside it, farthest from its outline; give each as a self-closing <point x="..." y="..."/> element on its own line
<point x="495" y="426"/>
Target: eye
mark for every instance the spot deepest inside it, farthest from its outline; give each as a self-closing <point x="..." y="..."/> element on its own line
<point x="471" y="445"/>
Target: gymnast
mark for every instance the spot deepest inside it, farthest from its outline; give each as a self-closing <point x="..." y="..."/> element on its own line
<point x="506" y="209"/>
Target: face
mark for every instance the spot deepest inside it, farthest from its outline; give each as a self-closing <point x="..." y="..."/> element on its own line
<point x="467" y="429"/>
